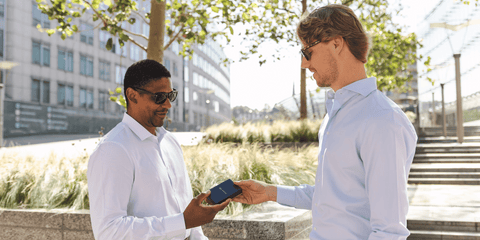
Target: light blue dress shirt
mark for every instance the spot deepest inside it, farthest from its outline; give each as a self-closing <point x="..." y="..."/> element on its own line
<point x="366" y="147"/>
<point x="138" y="185"/>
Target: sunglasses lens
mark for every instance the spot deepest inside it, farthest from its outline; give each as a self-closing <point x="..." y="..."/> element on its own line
<point x="160" y="98"/>
<point x="172" y="96"/>
<point x="306" y="54"/>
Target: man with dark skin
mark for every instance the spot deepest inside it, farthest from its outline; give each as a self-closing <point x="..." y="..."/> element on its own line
<point x="138" y="183"/>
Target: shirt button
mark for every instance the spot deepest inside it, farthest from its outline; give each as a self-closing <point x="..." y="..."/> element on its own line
<point x="328" y="133"/>
<point x="315" y="228"/>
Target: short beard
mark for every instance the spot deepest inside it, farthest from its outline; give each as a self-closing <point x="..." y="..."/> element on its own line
<point x="331" y="76"/>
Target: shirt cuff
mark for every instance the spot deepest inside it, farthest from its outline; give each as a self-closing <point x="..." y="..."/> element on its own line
<point x="175" y="223"/>
<point x="286" y="195"/>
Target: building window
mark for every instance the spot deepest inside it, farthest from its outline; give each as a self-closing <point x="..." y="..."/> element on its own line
<point x="175" y="47"/>
<point x="2" y="8"/>
<point x="134" y="52"/>
<point x="90" y="99"/>
<point x="61" y="94"/>
<point x="167" y="64"/>
<point x="39" y="17"/>
<point x="83" y="97"/>
<point x="102" y="100"/>
<point x="40" y="91"/>
<point x="195" y="78"/>
<point x="175" y="69"/>
<point x="104" y="70"/>
<point x="120" y="50"/>
<point x="46" y="92"/>
<point x="35" y="90"/>
<point x="64" y="95"/>
<point x="146" y="29"/>
<point x="65" y="60"/>
<point x="86" y="33"/>
<point x="1" y="42"/>
<point x="103" y="37"/>
<point x="40" y="53"/>
<point x="86" y="65"/>
<point x="186" y="73"/>
<point x="186" y="94"/>
<point x="86" y="98"/>
<point x="120" y="74"/>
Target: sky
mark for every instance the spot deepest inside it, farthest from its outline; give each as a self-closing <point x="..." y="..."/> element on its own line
<point x="255" y="86"/>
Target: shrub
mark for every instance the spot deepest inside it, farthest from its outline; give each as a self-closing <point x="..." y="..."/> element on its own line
<point x="278" y="131"/>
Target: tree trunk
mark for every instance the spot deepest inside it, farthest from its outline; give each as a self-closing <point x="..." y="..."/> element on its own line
<point x="157" y="31"/>
<point x="303" y="84"/>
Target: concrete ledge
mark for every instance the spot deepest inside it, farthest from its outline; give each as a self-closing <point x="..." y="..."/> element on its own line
<point x="269" y="221"/>
<point x="42" y="224"/>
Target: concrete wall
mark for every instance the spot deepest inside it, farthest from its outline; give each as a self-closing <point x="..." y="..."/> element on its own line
<point x="267" y="221"/>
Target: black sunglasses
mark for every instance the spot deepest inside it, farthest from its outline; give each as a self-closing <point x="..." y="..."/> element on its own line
<point x="161" y="97"/>
<point x="306" y="53"/>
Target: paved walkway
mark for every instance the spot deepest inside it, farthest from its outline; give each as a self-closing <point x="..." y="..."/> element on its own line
<point x="41" y="146"/>
<point x="459" y="203"/>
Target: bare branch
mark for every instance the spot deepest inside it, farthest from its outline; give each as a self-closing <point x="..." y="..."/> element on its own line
<point x="138" y="44"/>
<point x="286" y="10"/>
<point x="135" y="34"/>
<point x="98" y="14"/>
<point x="173" y="39"/>
<point x="144" y="19"/>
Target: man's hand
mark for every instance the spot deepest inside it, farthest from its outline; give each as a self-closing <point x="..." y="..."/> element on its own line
<point x="197" y="214"/>
<point x="254" y="192"/>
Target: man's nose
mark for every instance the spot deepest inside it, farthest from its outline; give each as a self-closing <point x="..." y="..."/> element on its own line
<point x="167" y="104"/>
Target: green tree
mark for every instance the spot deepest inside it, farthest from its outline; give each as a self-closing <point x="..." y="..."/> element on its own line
<point x="192" y="22"/>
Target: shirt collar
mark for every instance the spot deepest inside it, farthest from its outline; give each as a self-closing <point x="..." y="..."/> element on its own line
<point x="139" y="130"/>
<point x="363" y="86"/>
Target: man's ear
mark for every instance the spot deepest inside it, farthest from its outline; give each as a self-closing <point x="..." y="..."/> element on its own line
<point x="131" y="95"/>
<point x="338" y="44"/>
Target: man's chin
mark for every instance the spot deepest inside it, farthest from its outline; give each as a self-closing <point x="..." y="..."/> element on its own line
<point x="158" y="121"/>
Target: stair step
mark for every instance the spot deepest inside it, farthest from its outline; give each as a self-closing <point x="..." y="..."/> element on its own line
<point x="443" y="151"/>
<point x="447" y="155"/>
<point x="443" y="235"/>
<point x="447" y="181"/>
<point x="446" y="160"/>
<point x="446" y="226"/>
<point x="445" y="167"/>
<point x="445" y="175"/>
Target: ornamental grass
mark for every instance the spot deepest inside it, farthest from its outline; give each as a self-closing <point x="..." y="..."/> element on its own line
<point x="61" y="182"/>
<point x="265" y="132"/>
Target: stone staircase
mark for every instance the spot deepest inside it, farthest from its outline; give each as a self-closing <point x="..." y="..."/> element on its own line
<point x="452" y="171"/>
<point x="444" y="230"/>
<point x="446" y="164"/>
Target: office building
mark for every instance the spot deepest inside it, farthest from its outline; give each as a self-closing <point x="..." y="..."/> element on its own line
<point x="62" y="86"/>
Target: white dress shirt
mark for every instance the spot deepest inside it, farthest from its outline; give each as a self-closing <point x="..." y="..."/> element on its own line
<point x="366" y="147"/>
<point x="138" y="185"/>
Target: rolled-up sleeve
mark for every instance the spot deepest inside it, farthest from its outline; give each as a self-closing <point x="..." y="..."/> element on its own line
<point x="110" y="177"/>
<point x="387" y="152"/>
<point x="298" y="197"/>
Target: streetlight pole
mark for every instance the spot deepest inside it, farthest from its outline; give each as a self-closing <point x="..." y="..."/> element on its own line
<point x="457" y="27"/>
<point x="444" y="122"/>
<point x="433" y="110"/>
<point x="459" y="99"/>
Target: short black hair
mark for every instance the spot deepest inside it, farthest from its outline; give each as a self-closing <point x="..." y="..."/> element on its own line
<point x="143" y="72"/>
